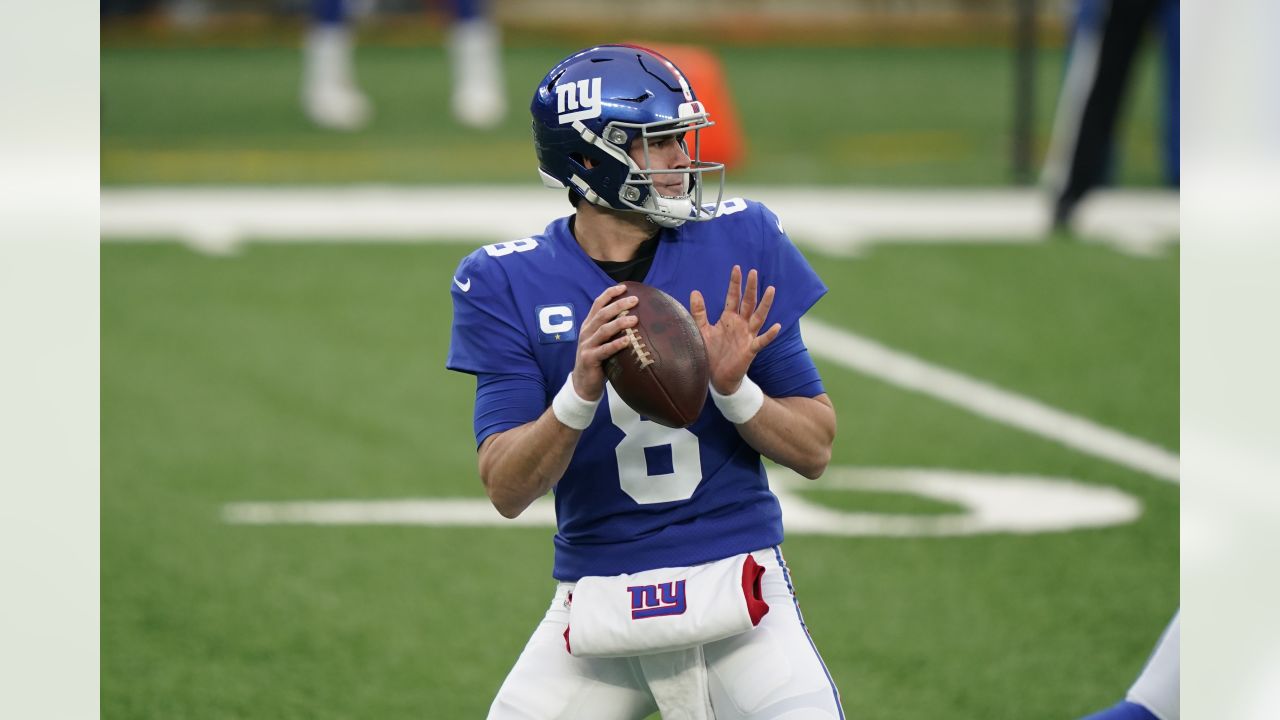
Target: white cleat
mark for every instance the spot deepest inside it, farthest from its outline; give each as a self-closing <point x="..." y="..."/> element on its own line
<point x="480" y="110"/>
<point x="475" y="59"/>
<point x="330" y="97"/>
<point x="336" y="107"/>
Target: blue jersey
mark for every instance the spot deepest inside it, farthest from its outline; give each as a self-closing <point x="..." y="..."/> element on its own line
<point x="636" y="495"/>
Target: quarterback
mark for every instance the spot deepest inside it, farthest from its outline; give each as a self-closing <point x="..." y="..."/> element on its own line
<point x="642" y="508"/>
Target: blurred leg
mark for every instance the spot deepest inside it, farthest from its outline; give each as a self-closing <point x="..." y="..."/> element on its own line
<point x="1170" y="19"/>
<point x="475" y="62"/>
<point x="1097" y="79"/>
<point x="1154" y="695"/>
<point x="1158" y="686"/>
<point x="330" y="96"/>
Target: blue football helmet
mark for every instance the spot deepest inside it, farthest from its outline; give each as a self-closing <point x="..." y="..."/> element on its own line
<point x="594" y="104"/>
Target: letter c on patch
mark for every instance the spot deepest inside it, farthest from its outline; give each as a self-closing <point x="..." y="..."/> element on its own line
<point x="555" y="319"/>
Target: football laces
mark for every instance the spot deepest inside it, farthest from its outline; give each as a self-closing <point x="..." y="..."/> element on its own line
<point x="643" y="356"/>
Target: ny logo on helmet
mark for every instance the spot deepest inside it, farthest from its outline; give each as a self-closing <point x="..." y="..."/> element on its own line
<point x="581" y="97"/>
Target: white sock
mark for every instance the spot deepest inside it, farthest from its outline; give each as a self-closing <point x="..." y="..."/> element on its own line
<point x="475" y="63"/>
<point x="329" y="93"/>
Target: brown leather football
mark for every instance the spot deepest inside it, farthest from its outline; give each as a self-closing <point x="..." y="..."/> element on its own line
<point x="662" y="373"/>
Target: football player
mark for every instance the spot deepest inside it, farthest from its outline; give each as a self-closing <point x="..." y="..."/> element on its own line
<point x="1104" y="43"/>
<point x="535" y="318"/>
<point x="332" y="99"/>
<point x="1154" y="695"/>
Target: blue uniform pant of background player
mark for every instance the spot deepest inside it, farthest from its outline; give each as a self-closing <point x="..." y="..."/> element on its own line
<point x="332" y="12"/>
<point x="467" y="9"/>
<point x="329" y="12"/>
<point x="1170" y="21"/>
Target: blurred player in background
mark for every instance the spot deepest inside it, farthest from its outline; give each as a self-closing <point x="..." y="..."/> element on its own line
<point x="1105" y="40"/>
<point x="1154" y="695"/>
<point x="332" y="99"/>
<point x="534" y="319"/>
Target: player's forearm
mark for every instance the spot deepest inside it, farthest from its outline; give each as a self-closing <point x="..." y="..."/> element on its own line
<point x="522" y="464"/>
<point x="796" y="432"/>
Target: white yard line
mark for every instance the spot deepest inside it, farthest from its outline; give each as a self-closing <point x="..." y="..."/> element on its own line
<point x="867" y="356"/>
<point x="409" y="511"/>
<point x="216" y="219"/>
<point x="836" y="220"/>
<point x="988" y="503"/>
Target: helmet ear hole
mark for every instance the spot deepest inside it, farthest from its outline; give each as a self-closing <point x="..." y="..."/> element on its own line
<point x="586" y="161"/>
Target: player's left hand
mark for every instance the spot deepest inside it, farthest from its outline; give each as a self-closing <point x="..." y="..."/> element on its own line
<point x="733" y="341"/>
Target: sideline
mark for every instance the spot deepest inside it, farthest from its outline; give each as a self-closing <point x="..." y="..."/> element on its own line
<point x="840" y="221"/>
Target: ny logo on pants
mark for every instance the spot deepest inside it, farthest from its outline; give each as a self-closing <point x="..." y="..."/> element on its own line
<point x="656" y="600"/>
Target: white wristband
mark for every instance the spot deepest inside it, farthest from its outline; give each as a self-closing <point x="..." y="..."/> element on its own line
<point x="570" y="409"/>
<point x="743" y="404"/>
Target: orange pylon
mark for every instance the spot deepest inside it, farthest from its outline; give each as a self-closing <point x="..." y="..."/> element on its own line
<point x="722" y="142"/>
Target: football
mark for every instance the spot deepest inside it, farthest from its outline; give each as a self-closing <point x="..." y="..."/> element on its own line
<point x="662" y="373"/>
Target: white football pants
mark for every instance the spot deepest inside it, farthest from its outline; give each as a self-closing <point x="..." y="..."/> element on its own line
<point x="771" y="671"/>
<point x="1156" y="688"/>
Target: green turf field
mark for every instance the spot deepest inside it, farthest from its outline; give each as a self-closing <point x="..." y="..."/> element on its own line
<point x="316" y="372"/>
<point x="868" y="115"/>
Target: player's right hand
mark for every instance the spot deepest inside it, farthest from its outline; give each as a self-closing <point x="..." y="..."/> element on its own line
<point x="598" y="339"/>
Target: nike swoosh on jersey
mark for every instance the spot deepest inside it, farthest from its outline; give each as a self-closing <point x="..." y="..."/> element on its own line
<point x="463" y="286"/>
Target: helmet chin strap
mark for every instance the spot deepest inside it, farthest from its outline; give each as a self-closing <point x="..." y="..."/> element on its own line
<point x="681" y="207"/>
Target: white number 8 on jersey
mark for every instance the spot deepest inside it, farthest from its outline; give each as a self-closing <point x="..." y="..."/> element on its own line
<point x="633" y="463"/>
